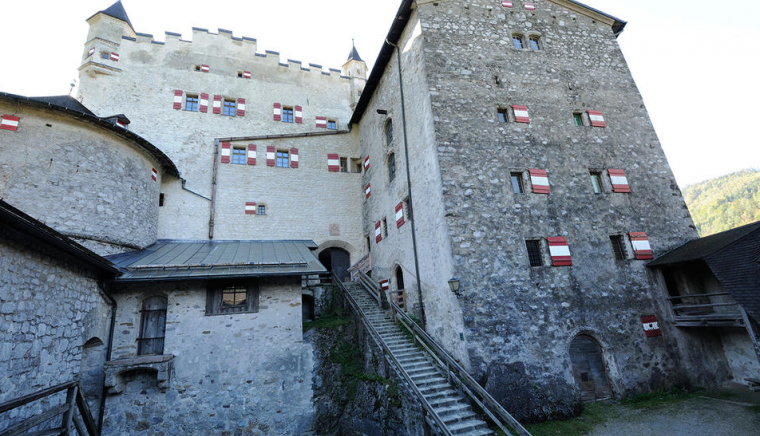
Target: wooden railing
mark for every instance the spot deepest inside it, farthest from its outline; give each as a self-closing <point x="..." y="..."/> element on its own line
<point x="455" y="373"/>
<point x="705" y="314"/>
<point x="398" y="297"/>
<point x="75" y="402"/>
<point x="364" y="265"/>
<point x="315" y="280"/>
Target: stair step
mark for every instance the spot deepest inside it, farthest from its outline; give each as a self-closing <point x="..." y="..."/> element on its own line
<point x="430" y="381"/>
<point x="465" y="426"/>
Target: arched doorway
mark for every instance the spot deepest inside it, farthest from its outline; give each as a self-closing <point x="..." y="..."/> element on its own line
<point x="336" y="260"/>
<point x="399" y="278"/>
<point x="589" y="370"/>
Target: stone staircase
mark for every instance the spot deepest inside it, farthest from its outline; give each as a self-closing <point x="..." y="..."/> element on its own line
<point x="449" y="405"/>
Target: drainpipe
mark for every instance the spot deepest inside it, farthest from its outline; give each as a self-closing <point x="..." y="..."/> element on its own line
<point x="107" y="292"/>
<point x="213" y="190"/>
<point x="409" y="188"/>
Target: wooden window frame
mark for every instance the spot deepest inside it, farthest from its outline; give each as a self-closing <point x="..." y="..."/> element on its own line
<point x="145" y="317"/>
<point x="278" y="159"/>
<point x="194" y="100"/>
<point x="239" y="156"/>
<point x="518" y="37"/>
<point x="288" y="114"/>
<point x="332" y="125"/>
<point x="391" y="166"/>
<point x="599" y="176"/>
<point x="619" y="247"/>
<point x="520" y="175"/>
<point x="534" y="39"/>
<point x="229" y="107"/>
<point x="214" y="293"/>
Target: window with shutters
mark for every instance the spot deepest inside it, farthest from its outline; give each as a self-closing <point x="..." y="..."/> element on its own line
<point x="191" y="103"/>
<point x="596" y="181"/>
<point x="503" y="114"/>
<point x="518" y="41"/>
<point x="282" y="159"/>
<point x="618" y="247"/>
<point x="229" y="108"/>
<point x="518" y="187"/>
<point x="230" y="297"/>
<point x="238" y="156"/>
<point x="344" y="165"/>
<point x="391" y="167"/>
<point x="105" y="55"/>
<point x="287" y="114"/>
<point x="152" y="326"/>
<point x="535" y="44"/>
<point x="578" y="119"/>
<point x="198" y="68"/>
<point x="535" y="257"/>
<point x="332" y="125"/>
<point x="389" y="133"/>
<point x="262" y="209"/>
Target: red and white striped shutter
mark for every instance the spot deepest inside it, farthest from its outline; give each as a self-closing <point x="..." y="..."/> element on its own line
<point x="619" y="180"/>
<point x="641" y="248"/>
<point x="400" y="215"/>
<point x="597" y="119"/>
<point x="559" y="251"/>
<point x="246" y="74"/>
<point x="241" y="107"/>
<point x="322" y="122"/>
<point x="367" y="191"/>
<point x="506" y="4"/>
<point x="154" y="174"/>
<point x="226" y="151"/>
<point x="217" y="104"/>
<point x="278" y="111"/>
<point x="540" y="182"/>
<point x="530" y="6"/>
<point x="521" y="114"/>
<point x="333" y="163"/>
<point x="115" y="57"/>
<point x="651" y="326"/>
<point x="91" y="52"/>
<point x="378" y="232"/>
<point x="250" y="208"/>
<point x="251" y="156"/>
<point x="177" y="99"/>
<point x="121" y="124"/>
<point x="9" y="122"/>
<point x="366" y="164"/>
<point x="293" y="158"/>
<point x="271" y="156"/>
<point x="385" y="284"/>
<point x="299" y="114"/>
<point x="205" y="68"/>
<point x="203" y="104"/>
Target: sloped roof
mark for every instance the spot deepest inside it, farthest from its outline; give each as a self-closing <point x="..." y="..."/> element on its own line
<point x="187" y="260"/>
<point x="733" y="257"/>
<point x="65" y="101"/>
<point x="354" y="55"/>
<point x="117" y="11"/>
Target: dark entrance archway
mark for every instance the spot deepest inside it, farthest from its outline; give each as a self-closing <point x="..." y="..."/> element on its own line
<point x="399" y="278"/>
<point x="307" y="307"/>
<point x="589" y="370"/>
<point x="336" y="260"/>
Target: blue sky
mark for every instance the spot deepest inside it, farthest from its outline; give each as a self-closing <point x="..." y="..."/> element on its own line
<point x="696" y="62"/>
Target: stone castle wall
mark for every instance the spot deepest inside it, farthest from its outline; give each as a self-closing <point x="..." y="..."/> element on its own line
<point x="244" y="373"/>
<point x="520" y="319"/>
<point x="82" y="180"/>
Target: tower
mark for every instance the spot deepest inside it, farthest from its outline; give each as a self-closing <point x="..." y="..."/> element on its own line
<point x="101" y="51"/>
<point x="356" y="69"/>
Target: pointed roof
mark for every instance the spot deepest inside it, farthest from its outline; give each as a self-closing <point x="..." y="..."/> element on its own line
<point x="354" y="55"/>
<point x="117" y="11"/>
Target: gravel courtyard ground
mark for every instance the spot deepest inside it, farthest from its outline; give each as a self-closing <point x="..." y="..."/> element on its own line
<point x="729" y="411"/>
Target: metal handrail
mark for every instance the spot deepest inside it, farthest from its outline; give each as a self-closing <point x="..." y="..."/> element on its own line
<point x="75" y="401"/>
<point x="389" y="354"/>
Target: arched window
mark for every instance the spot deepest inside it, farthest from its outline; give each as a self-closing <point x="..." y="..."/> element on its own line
<point x="152" y="326"/>
<point x="389" y="133"/>
<point x="517" y="41"/>
<point x="535" y="44"/>
<point x="391" y="167"/>
<point x="399" y="278"/>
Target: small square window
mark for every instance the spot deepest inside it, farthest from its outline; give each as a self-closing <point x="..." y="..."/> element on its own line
<point x="232" y="298"/>
<point x="534" y="252"/>
<point x="283" y="159"/>
<point x="503" y="115"/>
<point x="238" y="156"/>
<point x="262" y="209"/>
<point x="517" y="183"/>
<point x="596" y="181"/>
<point x="105" y="55"/>
<point x="618" y="247"/>
<point x="344" y="165"/>
<point x="197" y="68"/>
<point x="332" y="125"/>
<point x="578" y="119"/>
<point x="534" y="43"/>
<point x="191" y="103"/>
<point x="356" y="165"/>
<point x="517" y="41"/>
<point x="230" y="108"/>
<point x="240" y="74"/>
<point x="287" y="115"/>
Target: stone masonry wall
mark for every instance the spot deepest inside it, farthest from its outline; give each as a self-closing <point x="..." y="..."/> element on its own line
<point x="49" y="308"/>
<point x="80" y="180"/>
<point x="142" y="84"/>
<point x="246" y="373"/>
<point x="520" y="320"/>
<point x="434" y="250"/>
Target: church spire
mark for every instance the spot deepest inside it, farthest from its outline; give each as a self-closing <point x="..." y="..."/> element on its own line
<point x="354" y="55"/>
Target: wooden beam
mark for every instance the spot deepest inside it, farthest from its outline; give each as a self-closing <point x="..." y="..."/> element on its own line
<point x="753" y="333"/>
<point x="34" y="397"/>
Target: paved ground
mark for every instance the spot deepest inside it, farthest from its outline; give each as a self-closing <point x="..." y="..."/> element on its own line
<point x="730" y="411"/>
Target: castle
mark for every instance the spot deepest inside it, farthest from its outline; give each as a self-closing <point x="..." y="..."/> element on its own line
<point x="499" y="145"/>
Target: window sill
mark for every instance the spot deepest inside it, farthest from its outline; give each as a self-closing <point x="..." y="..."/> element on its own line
<point x="161" y="365"/>
<point x="231" y="313"/>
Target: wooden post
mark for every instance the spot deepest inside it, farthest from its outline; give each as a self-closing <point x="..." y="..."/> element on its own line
<point x="752" y="330"/>
<point x="69" y="415"/>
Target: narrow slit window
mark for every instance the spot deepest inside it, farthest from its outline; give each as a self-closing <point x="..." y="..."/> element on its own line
<point x="596" y="181"/>
<point x="343" y="165"/>
<point x="503" y="115"/>
<point x="389" y="133"/>
<point x="577" y="119"/>
<point x="391" y="167"/>
<point x="517" y="183"/>
<point x="534" y="252"/>
<point x="618" y="247"/>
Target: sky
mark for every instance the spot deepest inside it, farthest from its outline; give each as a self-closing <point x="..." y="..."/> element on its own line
<point x="695" y="62"/>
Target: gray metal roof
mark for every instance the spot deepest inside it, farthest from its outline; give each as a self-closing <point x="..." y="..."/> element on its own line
<point x="117" y="11"/>
<point x="185" y="260"/>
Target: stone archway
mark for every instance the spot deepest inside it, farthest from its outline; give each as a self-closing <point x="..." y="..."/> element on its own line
<point x="589" y="369"/>
<point x="336" y="260"/>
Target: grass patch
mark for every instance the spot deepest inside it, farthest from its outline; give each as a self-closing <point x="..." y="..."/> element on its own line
<point x="658" y="399"/>
<point x="332" y="320"/>
<point x="593" y="414"/>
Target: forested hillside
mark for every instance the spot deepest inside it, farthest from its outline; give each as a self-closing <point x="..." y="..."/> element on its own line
<point x="725" y="202"/>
